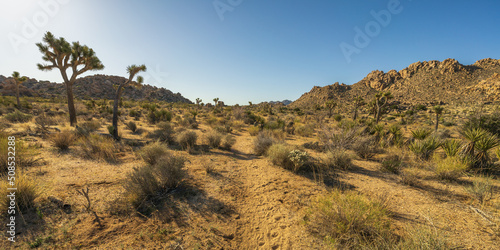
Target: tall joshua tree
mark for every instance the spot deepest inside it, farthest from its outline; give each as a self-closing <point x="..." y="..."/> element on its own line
<point x="381" y="101"/>
<point x="18" y="80"/>
<point x="198" y="101"/>
<point x="330" y="105"/>
<point x="438" y="110"/>
<point x="132" y="70"/>
<point x="61" y="55"/>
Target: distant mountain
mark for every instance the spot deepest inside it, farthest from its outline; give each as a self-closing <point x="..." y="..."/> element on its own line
<point x="429" y="82"/>
<point x="284" y="102"/>
<point x="91" y="87"/>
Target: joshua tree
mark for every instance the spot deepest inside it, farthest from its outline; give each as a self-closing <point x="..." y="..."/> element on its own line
<point x="198" y="101"/>
<point x="132" y="70"/>
<point x="18" y="80"/>
<point x="381" y="101"/>
<point x="62" y="55"/>
<point x="438" y="110"/>
<point x="358" y="102"/>
<point x="250" y="103"/>
<point x="216" y="100"/>
<point x="330" y="105"/>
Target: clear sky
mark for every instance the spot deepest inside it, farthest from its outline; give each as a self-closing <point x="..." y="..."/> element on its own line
<point x="251" y="50"/>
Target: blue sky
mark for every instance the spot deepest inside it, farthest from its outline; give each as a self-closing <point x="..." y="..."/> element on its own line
<point x="250" y="50"/>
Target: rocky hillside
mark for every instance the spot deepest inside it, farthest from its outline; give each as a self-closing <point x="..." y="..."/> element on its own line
<point x="96" y="87"/>
<point x="427" y="82"/>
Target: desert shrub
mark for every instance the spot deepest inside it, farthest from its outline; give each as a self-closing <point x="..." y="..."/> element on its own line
<point x="214" y="138"/>
<point x="189" y="122"/>
<point x="488" y="122"/>
<point x="63" y="140"/>
<point x="224" y="129"/>
<point x="152" y="152"/>
<point x="253" y="130"/>
<point x="338" y="159"/>
<point x="98" y="147"/>
<point x="299" y="159"/>
<point x="135" y="114"/>
<point x="343" y="138"/>
<point x="392" y="163"/>
<point x="424" y="238"/>
<point x="421" y="133"/>
<point x="132" y="126"/>
<point x="451" y="147"/>
<point x="43" y="122"/>
<point x="111" y="129"/>
<point x="349" y="220"/>
<point x="187" y="139"/>
<point x="481" y="189"/>
<point x="423" y="149"/>
<point x="394" y="136"/>
<point x="278" y="155"/>
<point x="337" y="117"/>
<point x="18" y="117"/>
<point x="85" y="128"/>
<point x="27" y="191"/>
<point x="164" y="132"/>
<point x="450" y="168"/>
<point x="155" y="116"/>
<point x="272" y="125"/>
<point x="365" y="147"/>
<point x="306" y="130"/>
<point x="262" y="142"/>
<point x="147" y="182"/>
<point x="227" y="142"/>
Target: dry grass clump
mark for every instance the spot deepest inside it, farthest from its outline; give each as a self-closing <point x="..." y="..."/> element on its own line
<point x="365" y="146"/>
<point x="350" y="220"/>
<point x="187" y="139"/>
<point x="305" y="130"/>
<point x="392" y="163"/>
<point x="262" y="142"/>
<point x="18" y="117"/>
<point x="25" y="156"/>
<point x="214" y="138"/>
<point x="481" y="189"/>
<point x="253" y="130"/>
<point x="27" y="191"/>
<point x="88" y="127"/>
<point x="132" y="126"/>
<point x="338" y="159"/>
<point x="148" y="182"/>
<point x="278" y="155"/>
<point x="424" y="238"/>
<point x="410" y="176"/>
<point x="98" y="147"/>
<point x="152" y="152"/>
<point x="63" y="140"/>
<point x="227" y="142"/>
<point x="450" y="168"/>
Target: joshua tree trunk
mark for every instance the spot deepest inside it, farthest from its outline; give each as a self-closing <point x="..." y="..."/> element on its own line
<point x="71" y="105"/>
<point x="17" y="96"/>
<point x="115" y="112"/>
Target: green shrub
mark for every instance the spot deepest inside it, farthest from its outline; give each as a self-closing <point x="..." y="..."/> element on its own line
<point x="18" y="117"/>
<point x="187" y="139"/>
<point x="63" y="140"/>
<point x="337" y="117"/>
<point x="278" y="155"/>
<point x="424" y="149"/>
<point x="152" y="152"/>
<point x="305" y="130"/>
<point x="450" y="168"/>
<point x="132" y="126"/>
<point x="98" y="147"/>
<point x="338" y="159"/>
<point x="349" y="221"/>
<point x="262" y="142"/>
<point x="164" y="132"/>
<point x="148" y="182"/>
<point x="298" y="158"/>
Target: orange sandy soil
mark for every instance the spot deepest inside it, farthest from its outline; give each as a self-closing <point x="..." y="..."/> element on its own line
<point x="246" y="203"/>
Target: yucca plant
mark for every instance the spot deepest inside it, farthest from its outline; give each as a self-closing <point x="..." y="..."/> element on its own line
<point x="420" y="134"/>
<point x="483" y="145"/>
<point x="424" y="149"/>
<point x="395" y="136"/>
<point x="451" y="147"/>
